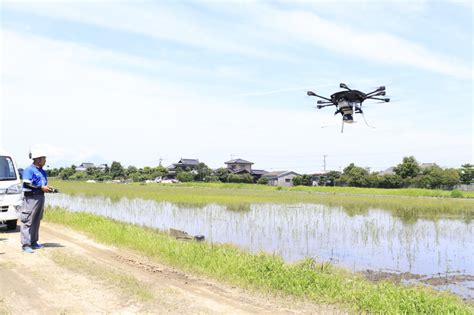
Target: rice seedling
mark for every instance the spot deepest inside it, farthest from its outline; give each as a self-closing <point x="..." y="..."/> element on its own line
<point x="241" y="196"/>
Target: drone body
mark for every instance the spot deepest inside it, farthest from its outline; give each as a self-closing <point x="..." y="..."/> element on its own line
<point x="349" y="102"/>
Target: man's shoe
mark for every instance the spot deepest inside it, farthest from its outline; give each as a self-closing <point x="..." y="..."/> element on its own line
<point x="28" y="250"/>
<point x="37" y="246"/>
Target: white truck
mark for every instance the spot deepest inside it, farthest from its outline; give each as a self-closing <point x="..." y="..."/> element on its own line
<point x="11" y="191"/>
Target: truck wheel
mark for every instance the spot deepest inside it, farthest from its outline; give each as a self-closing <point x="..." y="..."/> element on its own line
<point x="11" y="225"/>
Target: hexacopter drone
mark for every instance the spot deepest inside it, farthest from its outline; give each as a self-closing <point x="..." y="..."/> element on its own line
<point x="349" y="102"/>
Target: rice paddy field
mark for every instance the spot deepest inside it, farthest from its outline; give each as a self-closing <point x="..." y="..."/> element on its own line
<point x="384" y="251"/>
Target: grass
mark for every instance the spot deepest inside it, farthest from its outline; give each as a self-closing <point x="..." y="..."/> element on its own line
<point x="321" y="283"/>
<point x="241" y="196"/>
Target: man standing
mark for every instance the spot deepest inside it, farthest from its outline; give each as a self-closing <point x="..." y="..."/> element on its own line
<point x="35" y="184"/>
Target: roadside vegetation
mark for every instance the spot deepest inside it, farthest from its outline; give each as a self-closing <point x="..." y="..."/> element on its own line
<point x="320" y="282"/>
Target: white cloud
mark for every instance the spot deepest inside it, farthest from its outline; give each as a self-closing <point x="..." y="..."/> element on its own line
<point x="264" y="26"/>
<point x="308" y="27"/>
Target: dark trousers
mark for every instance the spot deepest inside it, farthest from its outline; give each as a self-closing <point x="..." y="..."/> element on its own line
<point x="31" y="215"/>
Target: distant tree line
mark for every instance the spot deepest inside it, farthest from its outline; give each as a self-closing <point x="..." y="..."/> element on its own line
<point x="115" y="172"/>
<point x="408" y="173"/>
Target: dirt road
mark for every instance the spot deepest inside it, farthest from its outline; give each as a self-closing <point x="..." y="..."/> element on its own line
<point x="74" y="274"/>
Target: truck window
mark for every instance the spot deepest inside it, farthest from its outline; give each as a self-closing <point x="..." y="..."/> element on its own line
<point x="7" y="170"/>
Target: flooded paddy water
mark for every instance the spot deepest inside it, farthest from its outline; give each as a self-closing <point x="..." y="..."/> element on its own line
<point x="438" y="253"/>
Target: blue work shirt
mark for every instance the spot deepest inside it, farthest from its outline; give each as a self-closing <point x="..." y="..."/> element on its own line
<point x="34" y="176"/>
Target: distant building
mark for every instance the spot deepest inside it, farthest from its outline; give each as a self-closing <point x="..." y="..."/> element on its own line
<point x="240" y="166"/>
<point x="281" y="178"/>
<point x="427" y="165"/>
<point x="184" y="164"/>
<point x="102" y="167"/>
<point x="388" y="171"/>
<point x="84" y="166"/>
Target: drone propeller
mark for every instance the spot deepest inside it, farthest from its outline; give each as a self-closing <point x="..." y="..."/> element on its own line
<point x="344" y="86"/>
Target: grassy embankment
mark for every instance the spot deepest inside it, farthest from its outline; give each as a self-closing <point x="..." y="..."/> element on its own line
<point x="405" y="203"/>
<point x="322" y="283"/>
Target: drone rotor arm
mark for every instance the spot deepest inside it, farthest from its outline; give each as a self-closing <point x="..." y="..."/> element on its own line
<point x="311" y="93"/>
<point x="379" y="89"/>
<point x="325" y="105"/>
<point x="380" y="99"/>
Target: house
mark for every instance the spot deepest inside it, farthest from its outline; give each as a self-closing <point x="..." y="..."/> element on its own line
<point x="102" y="167"/>
<point x="427" y="165"/>
<point x="280" y="178"/>
<point x="184" y="164"/>
<point x="240" y="166"/>
<point x="388" y="171"/>
<point x="84" y="166"/>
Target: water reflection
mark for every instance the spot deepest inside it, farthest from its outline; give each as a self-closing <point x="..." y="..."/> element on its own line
<point x="374" y="239"/>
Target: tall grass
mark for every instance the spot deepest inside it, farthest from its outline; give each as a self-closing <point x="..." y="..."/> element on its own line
<point x="240" y="196"/>
<point x="319" y="282"/>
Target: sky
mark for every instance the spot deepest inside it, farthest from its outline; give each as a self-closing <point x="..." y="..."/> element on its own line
<point x="144" y="82"/>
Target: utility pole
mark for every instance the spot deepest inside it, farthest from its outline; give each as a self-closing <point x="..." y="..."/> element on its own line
<point x="160" y="159"/>
<point x="324" y="156"/>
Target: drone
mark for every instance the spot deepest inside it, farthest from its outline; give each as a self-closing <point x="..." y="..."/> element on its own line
<point x="349" y="102"/>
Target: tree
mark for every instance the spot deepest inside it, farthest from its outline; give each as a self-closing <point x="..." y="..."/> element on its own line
<point x="78" y="176"/>
<point x="66" y="173"/>
<point x="435" y="177"/>
<point x="390" y="181"/>
<point x="159" y="171"/>
<point x="304" y="180"/>
<point x="202" y="172"/>
<point x="409" y="168"/>
<point x="237" y="178"/>
<point x="451" y="177"/>
<point x="116" y="170"/>
<point x="329" y="179"/>
<point x="223" y="174"/>
<point x="185" y="176"/>
<point x="467" y="174"/>
<point x="130" y="170"/>
<point x="355" y="176"/>
<point x="262" y="180"/>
